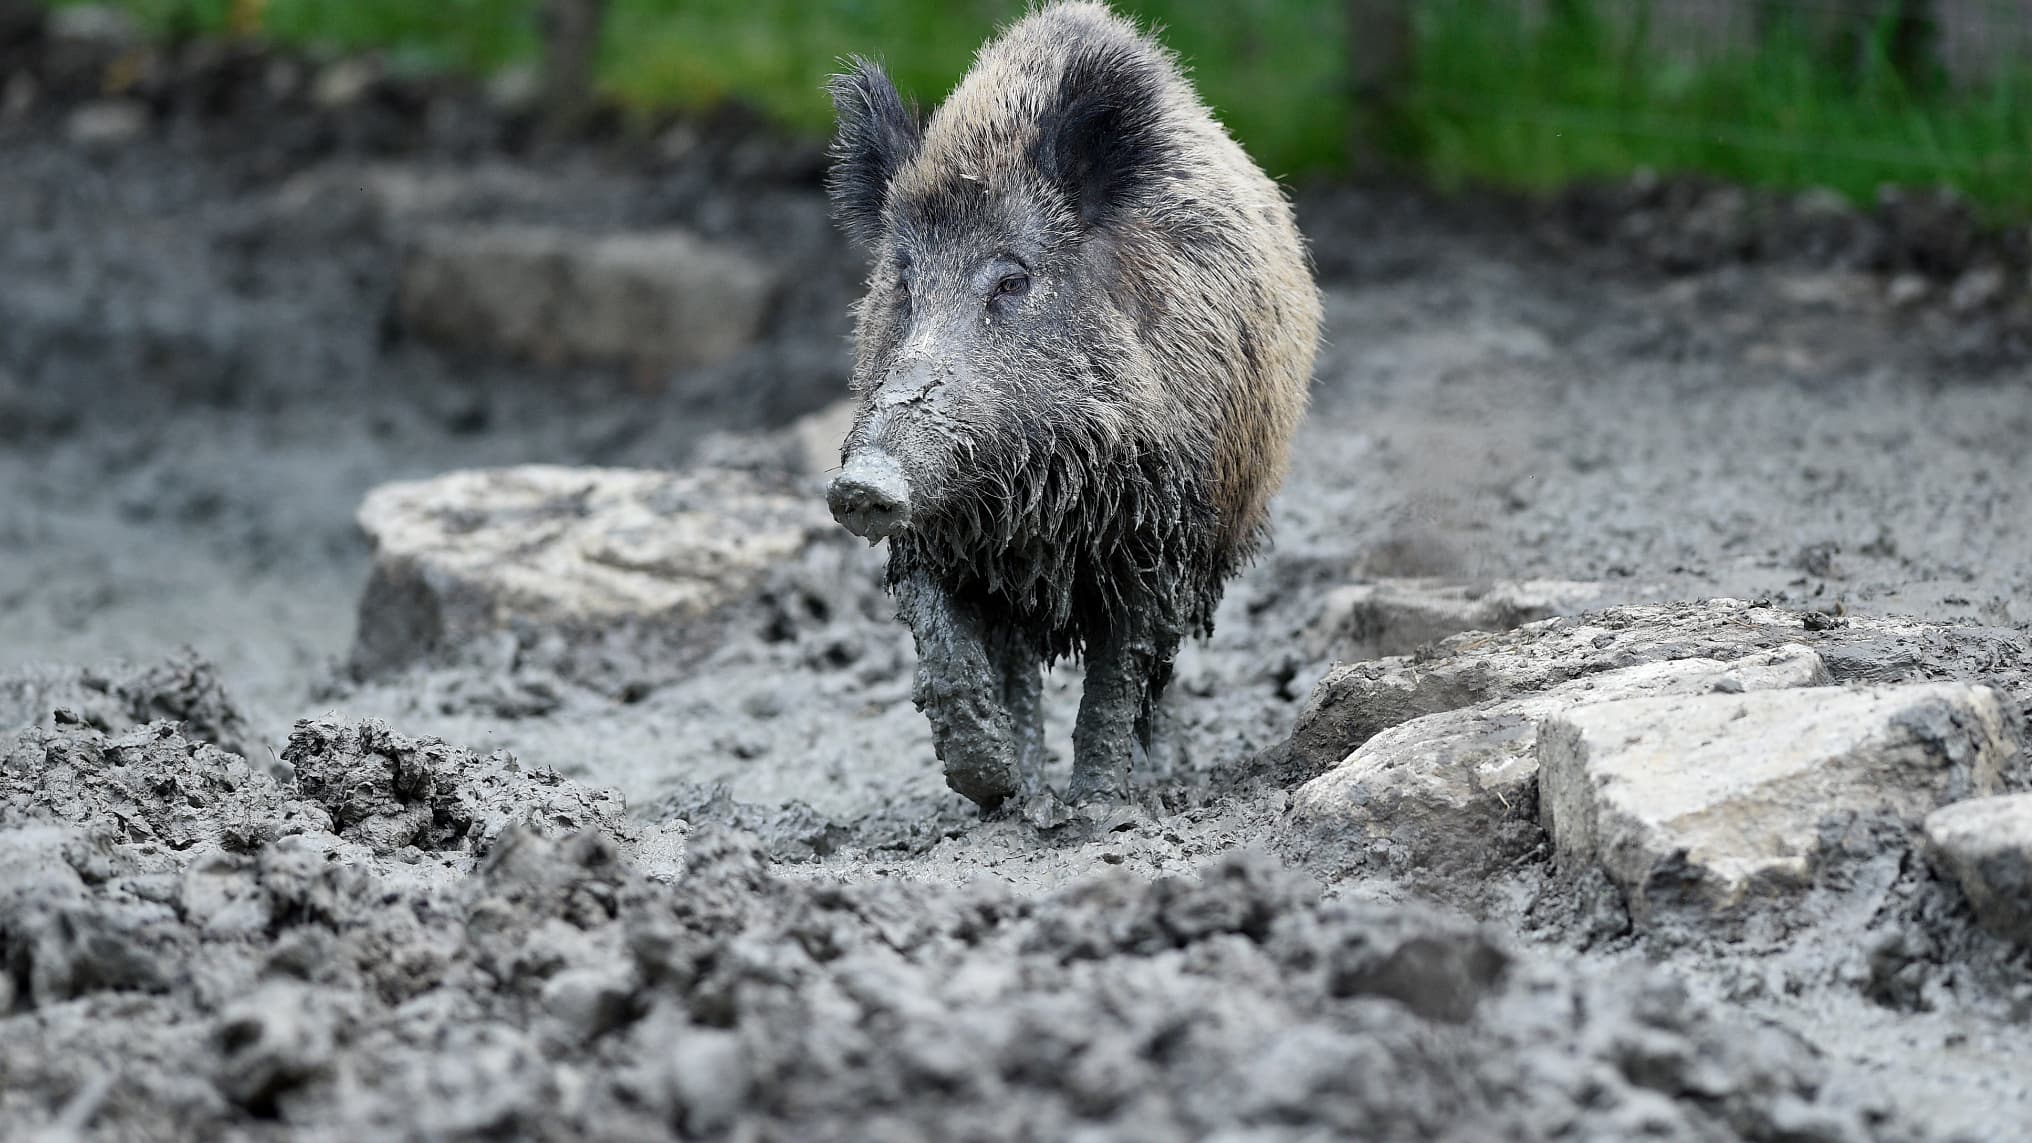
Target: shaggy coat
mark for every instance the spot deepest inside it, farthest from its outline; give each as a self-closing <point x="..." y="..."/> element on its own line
<point x="1100" y="455"/>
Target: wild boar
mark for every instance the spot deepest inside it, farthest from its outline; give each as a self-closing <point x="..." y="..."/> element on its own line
<point x="1085" y="346"/>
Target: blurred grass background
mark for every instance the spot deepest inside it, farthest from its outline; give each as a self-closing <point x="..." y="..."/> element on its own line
<point x="1532" y="94"/>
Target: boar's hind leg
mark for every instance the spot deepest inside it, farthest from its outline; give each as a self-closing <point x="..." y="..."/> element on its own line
<point x="1125" y="679"/>
<point x="960" y="690"/>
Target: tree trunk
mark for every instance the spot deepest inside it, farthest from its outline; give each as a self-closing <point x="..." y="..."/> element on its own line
<point x="1908" y="32"/>
<point x="1915" y="44"/>
<point x="571" y="48"/>
<point x="1379" y="73"/>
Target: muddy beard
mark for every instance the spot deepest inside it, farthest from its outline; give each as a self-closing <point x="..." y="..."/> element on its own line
<point x="1072" y="546"/>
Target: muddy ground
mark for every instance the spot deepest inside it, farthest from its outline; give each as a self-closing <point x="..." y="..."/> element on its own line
<point x="255" y="927"/>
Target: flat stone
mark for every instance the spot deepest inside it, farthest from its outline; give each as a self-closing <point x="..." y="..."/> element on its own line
<point x="516" y="89"/>
<point x="576" y="554"/>
<point x="1459" y="789"/>
<point x="653" y="300"/>
<point x="107" y="123"/>
<point x="1354" y="701"/>
<point x="411" y="193"/>
<point x="1398" y="616"/>
<point x="1712" y="801"/>
<point x="1978" y="287"/>
<point x="1985" y="844"/>
<point x="345" y="82"/>
<point x="91" y="23"/>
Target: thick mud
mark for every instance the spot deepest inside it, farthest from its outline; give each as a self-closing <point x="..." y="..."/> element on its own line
<point x="419" y="943"/>
<point x="260" y="903"/>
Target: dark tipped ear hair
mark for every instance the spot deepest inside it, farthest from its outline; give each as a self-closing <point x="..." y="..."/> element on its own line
<point x="1101" y="139"/>
<point x="877" y="134"/>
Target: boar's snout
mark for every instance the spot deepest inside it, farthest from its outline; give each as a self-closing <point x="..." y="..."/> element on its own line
<point x="871" y="495"/>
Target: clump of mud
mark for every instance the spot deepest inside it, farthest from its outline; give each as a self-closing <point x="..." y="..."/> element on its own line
<point x="405" y="939"/>
<point x="183" y="689"/>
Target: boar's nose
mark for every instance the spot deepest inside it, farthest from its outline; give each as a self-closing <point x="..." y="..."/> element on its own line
<point x="871" y="495"/>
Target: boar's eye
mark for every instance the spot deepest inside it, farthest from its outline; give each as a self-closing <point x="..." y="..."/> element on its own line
<point x="900" y="292"/>
<point x="1012" y="286"/>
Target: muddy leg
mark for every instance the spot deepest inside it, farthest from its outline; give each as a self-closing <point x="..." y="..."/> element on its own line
<point x="1157" y="725"/>
<point x="1023" y="696"/>
<point x="960" y="690"/>
<point x="1106" y="739"/>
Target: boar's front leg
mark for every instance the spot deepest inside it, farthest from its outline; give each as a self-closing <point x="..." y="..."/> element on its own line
<point x="961" y="690"/>
<point x="1023" y="694"/>
<point x="1156" y="724"/>
<point x="1125" y="679"/>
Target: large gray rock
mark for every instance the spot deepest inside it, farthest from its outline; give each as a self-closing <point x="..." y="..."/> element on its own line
<point x="1460" y="788"/>
<point x="612" y="562"/>
<point x="652" y="300"/>
<point x="1985" y="844"/>
<point x="1398" y="616"/>
<point x="107" y="123"/>
<point x="1712" y="801"/>
<point x="107" y="25"/>
<point x="398" y="193"/>
<point x="1354" y="701"/>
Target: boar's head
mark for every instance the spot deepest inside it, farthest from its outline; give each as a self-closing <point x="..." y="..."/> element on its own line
<point x="1001" y="363"/>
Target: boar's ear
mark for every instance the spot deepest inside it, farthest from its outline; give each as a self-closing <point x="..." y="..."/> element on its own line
<point x="1101" y="140"/>
<point x="877" y="135"/>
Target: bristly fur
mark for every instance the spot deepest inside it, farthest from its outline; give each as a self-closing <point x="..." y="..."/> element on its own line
<point x="1071" y="541"/>
<point x="1101" y="138"/>
<point x="1105" y="467"/>
<point x="877" y="134"/>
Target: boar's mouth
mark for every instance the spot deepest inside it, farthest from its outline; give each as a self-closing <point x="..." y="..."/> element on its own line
<point x="871" y="495"/>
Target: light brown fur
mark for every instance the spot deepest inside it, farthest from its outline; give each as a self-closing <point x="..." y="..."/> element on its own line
<point x="1262" y="290"/>
<point x="1079" y="467"/>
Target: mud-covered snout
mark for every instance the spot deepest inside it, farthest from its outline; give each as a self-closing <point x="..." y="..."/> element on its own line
<point x="871" y="495"/>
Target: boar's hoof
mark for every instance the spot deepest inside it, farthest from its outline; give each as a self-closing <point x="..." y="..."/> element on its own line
<point x="871" y="495"/>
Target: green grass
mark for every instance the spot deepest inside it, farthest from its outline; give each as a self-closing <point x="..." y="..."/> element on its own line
<point x="1270" y="68"/>
<point x="1584" y="92"/>
<point x="1581" y="95"/>
<point x="468" y="35"/>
